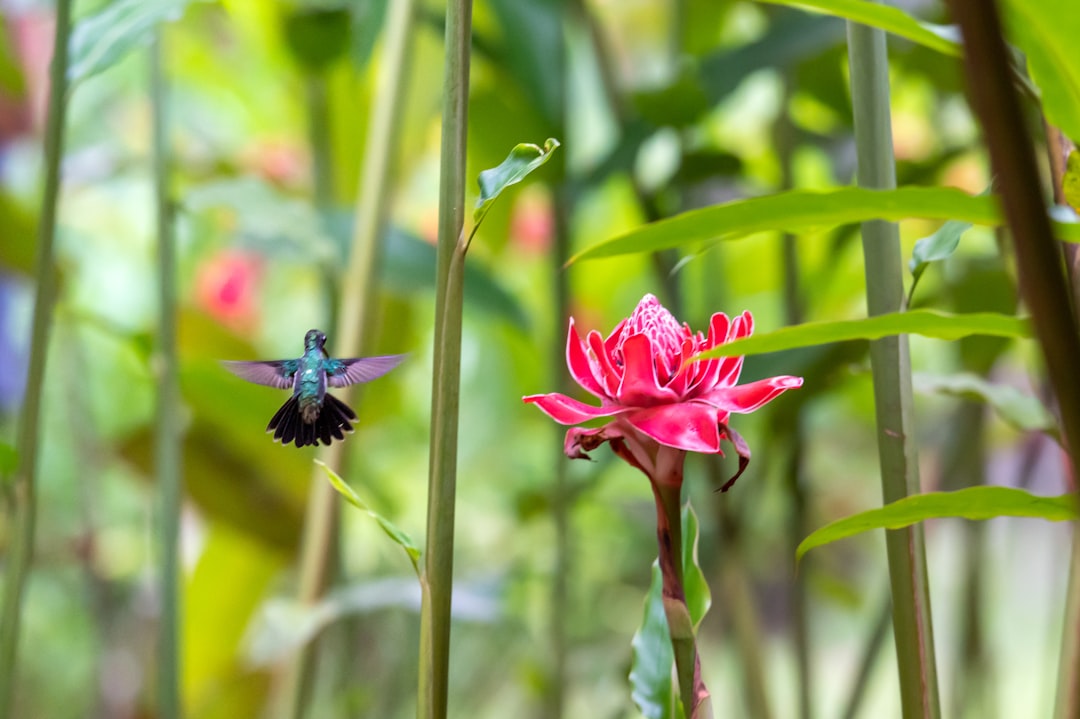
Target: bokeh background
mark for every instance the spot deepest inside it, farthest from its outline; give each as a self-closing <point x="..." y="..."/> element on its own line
<point x="660" y="106"/>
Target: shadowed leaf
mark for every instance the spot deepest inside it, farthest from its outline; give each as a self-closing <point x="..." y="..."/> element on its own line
<point x="104" y="38"/>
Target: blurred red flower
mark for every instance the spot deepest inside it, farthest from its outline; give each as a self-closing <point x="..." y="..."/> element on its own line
<point x="226" y="286"/>
<point x="655" y="398"/>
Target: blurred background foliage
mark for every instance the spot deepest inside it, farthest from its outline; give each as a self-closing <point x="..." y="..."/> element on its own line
<point x="661" y="106"/>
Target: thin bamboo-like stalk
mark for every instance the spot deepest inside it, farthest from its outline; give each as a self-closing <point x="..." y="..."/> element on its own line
<point x="22" y="486"/>
<point x="356" y="312"/>
<point x="890" y="362"/>
<point x="1043" y="283"/>
<point x="168" y="437"/>
<point x="436" y="583"/>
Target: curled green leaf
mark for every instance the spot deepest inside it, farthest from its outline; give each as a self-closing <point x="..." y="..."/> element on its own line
<point x="522" y="160"/>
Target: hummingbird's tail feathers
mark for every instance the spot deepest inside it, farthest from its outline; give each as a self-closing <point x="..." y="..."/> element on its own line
<point x="335" y="418"/>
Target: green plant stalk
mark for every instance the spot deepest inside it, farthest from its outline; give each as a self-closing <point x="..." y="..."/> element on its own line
<point x="22" y="488"/>
<point x="436" y="584"/>
<point x="563" y="497"/>
<point x="383" y="137"/>
<point x="692" y="691"/>
<point x="167" y="442"/>
<point x="890" y="363"/>
<point x="1038" y="258"/>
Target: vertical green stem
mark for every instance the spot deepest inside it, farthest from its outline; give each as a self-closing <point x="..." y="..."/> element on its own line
<point x="23" y="490"/>
<point x="562" y="495"/>
<point x="167" y="441"/>
<point x="376" y="181"/>
<point x="437" y="580"/>
<point x="890" y="362"/>
<point x="1043" y="283"/>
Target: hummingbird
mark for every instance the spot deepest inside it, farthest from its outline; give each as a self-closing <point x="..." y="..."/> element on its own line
<point x="312" y="415"/>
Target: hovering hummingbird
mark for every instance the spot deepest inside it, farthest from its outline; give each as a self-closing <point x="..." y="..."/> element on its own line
<point x="311" y="415"/>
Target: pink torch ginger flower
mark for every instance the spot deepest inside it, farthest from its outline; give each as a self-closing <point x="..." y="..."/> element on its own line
<point x="657" y="400"/>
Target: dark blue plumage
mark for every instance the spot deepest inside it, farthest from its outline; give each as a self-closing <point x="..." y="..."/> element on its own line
<point x="310" y="415"/>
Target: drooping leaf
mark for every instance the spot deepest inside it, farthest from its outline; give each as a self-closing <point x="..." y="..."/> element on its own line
<point x="1071" y="181"/>
<point x="522" y="160"/>
<point x="399" y="537"/>
<point x="652" y="686"/>
<point x="318" y="36"/>
<point x="802" y="210"/>
<point x="942" y="38"/>
<point x="102" y="39"/>
<point x="1019" y="410"/>
<point x="927" y="323"/>
<point x="1046" y="32"/>
<point x="970" y="503"/>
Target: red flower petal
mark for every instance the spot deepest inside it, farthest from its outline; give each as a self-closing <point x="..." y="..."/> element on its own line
<point x="748" y="397"/>
<point x="609" y="376"/>
<point x="639" y="387"/>
<point x="577" y="360"/>
<point x="567" y="410"/>
<point x="690" y="425"/>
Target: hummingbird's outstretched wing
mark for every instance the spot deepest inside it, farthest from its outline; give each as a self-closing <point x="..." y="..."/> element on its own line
<point x="276" y="373"/>
<point x="344" y="372"/>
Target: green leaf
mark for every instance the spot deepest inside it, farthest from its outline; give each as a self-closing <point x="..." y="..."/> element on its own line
<point x="971" y="503"/>
<point x="102" y="39"/>
<point x="1046" y="31"/>
<point x="942" y="38"/>
<point x="698" y="597"/>
<point x="522" y="160"/>
<point x="318" y="36"/>
<point x="802" y="210"/>
<point x="935" y="247"/>
<point x="1020" y="411"/>
<point x="399" y="537"/>
<point x="652" y="688"/>
<point x="927" y="323"/>
<point x="1071" y="182"/>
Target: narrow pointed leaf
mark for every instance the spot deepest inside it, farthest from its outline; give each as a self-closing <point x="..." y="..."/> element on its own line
<point x="971" y="503"/>
<point x="1021" y="411"/>
<point x="399" y="537"/>
<point x="801" y="210"/>
<point x="942" y="38"/>
<point x="104" y="38"/>
<point x="522" y="160"/>
<point x="927" y="323"/>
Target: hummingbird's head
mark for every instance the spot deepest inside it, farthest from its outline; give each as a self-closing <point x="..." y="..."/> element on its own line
<point x="314" y="339"/>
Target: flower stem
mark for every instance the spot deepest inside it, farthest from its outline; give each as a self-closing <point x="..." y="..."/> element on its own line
<point x="356" y="312"/>
<point x="890" y="362"/>
<point x="436" y="584"/>
<point x="692" y="690"/>
<point x="22" y="487"/>
<point x="168" y="440"/>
